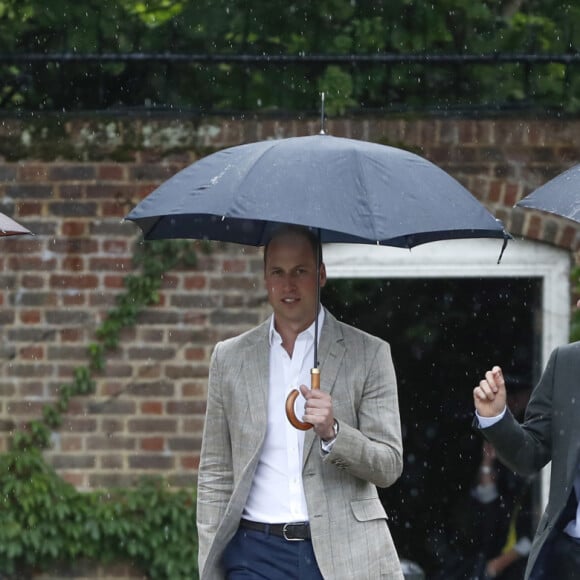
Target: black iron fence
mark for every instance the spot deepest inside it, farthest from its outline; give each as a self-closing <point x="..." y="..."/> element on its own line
<point x="238" y="83"/>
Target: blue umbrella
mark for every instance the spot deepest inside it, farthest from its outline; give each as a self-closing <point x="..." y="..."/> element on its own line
<point x="347" y="190"/>
<point x="560" y="196"/>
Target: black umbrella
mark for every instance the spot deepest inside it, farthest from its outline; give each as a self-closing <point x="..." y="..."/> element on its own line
<point x="560" y="196"/>
<point x="347" y="190"/>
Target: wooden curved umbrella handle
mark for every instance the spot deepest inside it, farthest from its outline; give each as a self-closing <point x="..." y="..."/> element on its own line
<point x="291" y="399"/>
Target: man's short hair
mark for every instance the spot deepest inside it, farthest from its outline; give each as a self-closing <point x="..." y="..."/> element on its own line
<point x="290" y="229"/>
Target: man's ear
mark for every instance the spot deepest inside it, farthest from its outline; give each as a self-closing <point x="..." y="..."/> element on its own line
<point x="322" y="275"/>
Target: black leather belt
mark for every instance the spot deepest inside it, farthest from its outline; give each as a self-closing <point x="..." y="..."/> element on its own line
<point x="292" y="531"/>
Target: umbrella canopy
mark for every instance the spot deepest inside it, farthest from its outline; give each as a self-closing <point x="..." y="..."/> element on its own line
<point x="350" y="190"/>
<point x="8" y="227"/>
<point x="347" y="190"/>
<point x="560" y="196"/>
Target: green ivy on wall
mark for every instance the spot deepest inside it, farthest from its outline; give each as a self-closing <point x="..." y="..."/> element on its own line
<point x="46" y="522"/>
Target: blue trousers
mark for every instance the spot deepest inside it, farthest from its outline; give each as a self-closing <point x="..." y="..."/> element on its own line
<point x="254" y="555"/>
<point x="566" y="557"/>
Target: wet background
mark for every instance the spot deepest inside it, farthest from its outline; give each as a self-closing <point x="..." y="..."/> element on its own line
<point x="444" y="335"/>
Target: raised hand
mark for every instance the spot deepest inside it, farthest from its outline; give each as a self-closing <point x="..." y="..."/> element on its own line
<point x="489" y="396"/>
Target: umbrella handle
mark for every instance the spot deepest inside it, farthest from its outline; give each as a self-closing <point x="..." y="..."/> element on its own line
<point x="291" y="399"/>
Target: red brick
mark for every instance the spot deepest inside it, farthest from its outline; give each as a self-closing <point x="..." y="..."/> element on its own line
<point x="194" y="353"/>
<point x="190" y="462"/>
<point x="74" y="228"/>
<point x="152" y="443"/>
<point x="511" y="193"/>
<point x="32" y="352"/>
<point x="151" y="462"/>
<point x="31" y="263"/>
<point x="534" y="228"/>
<point x="33" y="172"/>
<point x="71" y="443"/>
<point x="30" y="316"/>
<point x="113" y="209"/>
<point x="110" y="172"/>
<point x="111" y="462"/>
<point x="73" y="300"/>
<point x="195" y="282"/>
<point x="73" y="263"/>
<point x="29" y="208"/>
<point x="160" y="404"/>
<point x="151" y="425"/>
<point x="71" y="334"/>
<point x="568" y="236"/>
<point x="194" y="389"/>
<point x="75" y="246"/>
<point x="495" y="189"/>
<point x="151" y="408"/>
<point x="115" y="246"/>
<point x="235" y="266"/>
<point x="111" y="264"/>
<point x="149" y="371"/>
<point x="29" y="281"/>
<point x="80" y="281"/>
<point x="32" y="389"/>
<point x="76" y="479"/>
<point x="169" y="282"/>
<point x="114" y="282"/>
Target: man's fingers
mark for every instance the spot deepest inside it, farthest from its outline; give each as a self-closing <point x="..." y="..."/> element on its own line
<point x="485" y="391"/>
<point x="498" y="378"/>
<point x="490" y="380"/>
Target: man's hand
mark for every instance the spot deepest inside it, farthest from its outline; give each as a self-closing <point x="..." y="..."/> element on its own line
<point x="490" y="396"/>
<point x="318" y="412"/>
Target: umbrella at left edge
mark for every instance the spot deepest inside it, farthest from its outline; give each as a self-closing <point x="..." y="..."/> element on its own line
<point x="9" y="227"/>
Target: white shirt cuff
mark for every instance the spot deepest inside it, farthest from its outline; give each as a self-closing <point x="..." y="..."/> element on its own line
<point x="523" y="546"/>
<point x="485" y="422"/>
<point x="327" y="445"/>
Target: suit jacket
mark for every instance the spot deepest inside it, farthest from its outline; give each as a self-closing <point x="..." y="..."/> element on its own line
<point x="550" y="432"/>
<point x="348" y="523"/>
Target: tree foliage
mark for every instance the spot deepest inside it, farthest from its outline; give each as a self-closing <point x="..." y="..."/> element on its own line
<point x="298" y="27"/>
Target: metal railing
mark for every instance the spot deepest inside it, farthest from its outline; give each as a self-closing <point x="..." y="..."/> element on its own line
<point x="179" y="82"/>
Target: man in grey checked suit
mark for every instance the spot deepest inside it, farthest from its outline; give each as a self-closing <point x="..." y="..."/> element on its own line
<point x="279" y="503"/>
<point x="550" y="432"/>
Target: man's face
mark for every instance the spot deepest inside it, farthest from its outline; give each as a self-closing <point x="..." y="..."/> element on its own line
<point x="290" y="277"/>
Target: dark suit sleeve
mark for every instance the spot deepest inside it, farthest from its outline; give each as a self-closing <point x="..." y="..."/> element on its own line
<point x="526" y="448"/>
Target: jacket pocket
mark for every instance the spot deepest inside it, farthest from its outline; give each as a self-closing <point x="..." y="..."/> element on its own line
<point x="368" y="509"/>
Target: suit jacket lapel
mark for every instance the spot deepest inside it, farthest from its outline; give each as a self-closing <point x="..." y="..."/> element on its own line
<point x="331" y="351"/>
<point x="256" y="373"/>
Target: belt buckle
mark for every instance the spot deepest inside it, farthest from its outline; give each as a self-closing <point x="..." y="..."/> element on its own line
<point x="285" y="533"/>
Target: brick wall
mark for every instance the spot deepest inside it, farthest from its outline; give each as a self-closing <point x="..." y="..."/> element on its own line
<point x="71" y="181"/>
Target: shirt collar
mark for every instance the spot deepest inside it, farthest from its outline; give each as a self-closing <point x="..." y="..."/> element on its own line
<point x="275" y="338"/>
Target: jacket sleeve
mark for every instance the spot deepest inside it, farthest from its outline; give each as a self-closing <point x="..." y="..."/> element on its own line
<point x="373" y="450"/>
<point x="526" y="448"/>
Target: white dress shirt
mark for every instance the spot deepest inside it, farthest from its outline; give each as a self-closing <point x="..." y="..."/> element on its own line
<point x="277" y="493"/>
<point x="573" y="526"/>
